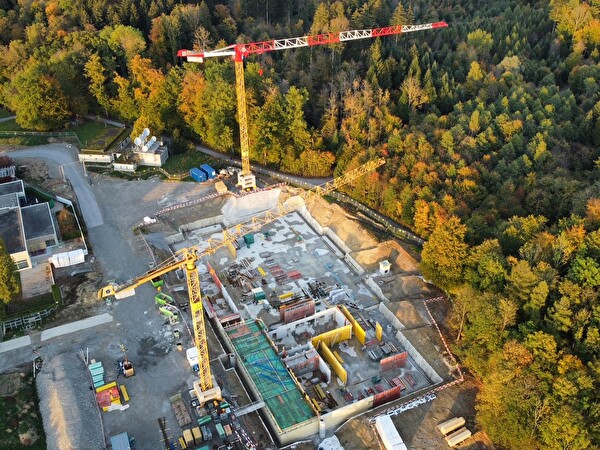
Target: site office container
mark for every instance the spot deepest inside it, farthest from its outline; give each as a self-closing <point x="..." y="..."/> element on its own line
<point x="208" y="171"/>
<point x="197" y="174"/>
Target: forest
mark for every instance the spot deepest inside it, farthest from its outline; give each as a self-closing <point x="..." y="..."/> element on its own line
<point x="490" y="128"/>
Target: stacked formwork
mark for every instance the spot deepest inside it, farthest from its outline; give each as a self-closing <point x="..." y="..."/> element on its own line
<point x="304" y="362"/>
<point x="296" y="311"/>
<point x="393" y="362"/>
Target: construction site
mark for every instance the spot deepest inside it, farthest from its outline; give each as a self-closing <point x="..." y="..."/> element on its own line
<point x="311" y="333"/>
<point x="259" y="320"/>
<point x="288" y="317"/>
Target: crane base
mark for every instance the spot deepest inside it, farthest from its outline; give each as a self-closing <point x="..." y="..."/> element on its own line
<point x="208" y="395"/>
<point x="246" y="181"/>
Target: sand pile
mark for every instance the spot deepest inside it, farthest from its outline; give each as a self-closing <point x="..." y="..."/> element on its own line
<point x="343" y="225"/>
<point x="68" y="405"/>
<point x="400" y="259"/>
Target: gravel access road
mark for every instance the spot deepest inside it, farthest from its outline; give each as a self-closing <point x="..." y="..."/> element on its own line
<point x="293" y="179"/>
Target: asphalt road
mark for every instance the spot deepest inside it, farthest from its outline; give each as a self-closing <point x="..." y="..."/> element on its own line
<point x="66" y="156"/>
<point x="258" y="169"/>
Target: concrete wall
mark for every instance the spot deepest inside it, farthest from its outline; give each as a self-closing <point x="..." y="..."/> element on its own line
<point x="299" y="432"/>
<point x="230" y="301"/>
<point x="353" y="264"/>
<point x="332" y="246"/>
<point x="334" y="418"/>
<point x="321" y="317"/>
<point x="323" y="230"/>
<point x="390" y="317"/>
<point x="371" y="284"/>
<point x="424" y="365"/>
<point x="324" y="368"/>
<point x="125" y="167"/>
<point x="202" y="223"/>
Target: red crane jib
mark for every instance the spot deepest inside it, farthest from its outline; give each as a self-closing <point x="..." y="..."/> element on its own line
<point x="241" y="50"/>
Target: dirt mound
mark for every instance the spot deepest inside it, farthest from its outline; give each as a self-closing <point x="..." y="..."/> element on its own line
<point x="367" y="251"/>
<point x="390" y="250"/>
<point x="82" y="288"/>
<point x="345" y="226"/>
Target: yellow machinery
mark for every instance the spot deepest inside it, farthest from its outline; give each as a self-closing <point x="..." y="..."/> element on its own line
<point x="238" y="52"/>
<point x="206" y="388"/>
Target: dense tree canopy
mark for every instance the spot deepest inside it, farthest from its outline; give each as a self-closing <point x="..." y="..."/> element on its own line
<point x="490" y="128"/>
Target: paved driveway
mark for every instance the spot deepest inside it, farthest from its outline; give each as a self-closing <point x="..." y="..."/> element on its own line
<point x="66" y="156"/>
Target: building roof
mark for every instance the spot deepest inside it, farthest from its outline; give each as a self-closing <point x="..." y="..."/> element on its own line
<point x="9" y="200"/>
<point x="37" y="221"/>
<point x="11" y="230"/>
<point x="12" y="187"/>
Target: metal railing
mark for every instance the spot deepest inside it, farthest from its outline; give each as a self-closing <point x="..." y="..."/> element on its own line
<point x="63" y="134"/>
<point x="30" y="319"/>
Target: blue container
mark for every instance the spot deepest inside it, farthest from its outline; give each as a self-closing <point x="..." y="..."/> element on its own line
<point x="209" y="171"/>
<point x="197" y="174"/>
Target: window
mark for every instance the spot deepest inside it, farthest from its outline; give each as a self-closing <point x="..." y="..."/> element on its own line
<point x="22" y="264"/>
<point x="50" y="242"/>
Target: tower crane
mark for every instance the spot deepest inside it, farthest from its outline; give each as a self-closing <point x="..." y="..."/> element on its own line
<point x="246" y="180"/>
<point x="205" y="387"/>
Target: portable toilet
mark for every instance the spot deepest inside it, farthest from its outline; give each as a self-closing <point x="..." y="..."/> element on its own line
<point x="197" y="174"/>
<point x="209" y="171"/>
<point x="384" y="267"/>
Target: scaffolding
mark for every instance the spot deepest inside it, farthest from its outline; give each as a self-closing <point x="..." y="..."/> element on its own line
<point x="273" y="381"/>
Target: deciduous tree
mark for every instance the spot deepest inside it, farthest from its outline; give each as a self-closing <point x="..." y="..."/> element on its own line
<point x="10" y="281"/>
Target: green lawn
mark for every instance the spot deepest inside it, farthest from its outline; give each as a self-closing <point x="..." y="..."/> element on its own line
<point x="92" y="135"/>
<point x="10" y="125"/>
<point x="96" y="135"/>
<point x="183" y="162"/>
<point x="5" y="113"/>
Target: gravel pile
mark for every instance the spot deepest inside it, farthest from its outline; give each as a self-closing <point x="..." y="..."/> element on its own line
<point x="68" y="405"/>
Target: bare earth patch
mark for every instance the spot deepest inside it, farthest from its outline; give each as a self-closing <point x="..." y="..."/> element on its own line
<point x="10" y="384"/>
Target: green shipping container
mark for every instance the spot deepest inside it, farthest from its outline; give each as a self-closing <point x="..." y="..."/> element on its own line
<point x="220" y="430"/>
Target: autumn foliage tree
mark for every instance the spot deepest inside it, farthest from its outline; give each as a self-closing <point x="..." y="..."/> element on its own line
<point x="10" y="282"/>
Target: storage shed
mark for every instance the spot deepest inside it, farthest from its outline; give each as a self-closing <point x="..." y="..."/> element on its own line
<point x="120" y="442"/>
<point x="197" y="174"/>
<point x="209" y="171"/>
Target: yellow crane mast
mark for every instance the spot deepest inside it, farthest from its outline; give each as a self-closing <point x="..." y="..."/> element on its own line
<point x="205" y="387"/>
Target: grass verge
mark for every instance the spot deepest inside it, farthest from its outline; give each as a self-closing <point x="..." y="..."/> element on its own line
<point x="20" y="414"/>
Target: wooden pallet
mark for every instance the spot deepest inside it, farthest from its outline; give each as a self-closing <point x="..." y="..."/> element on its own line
<point x="181" y="413"/>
